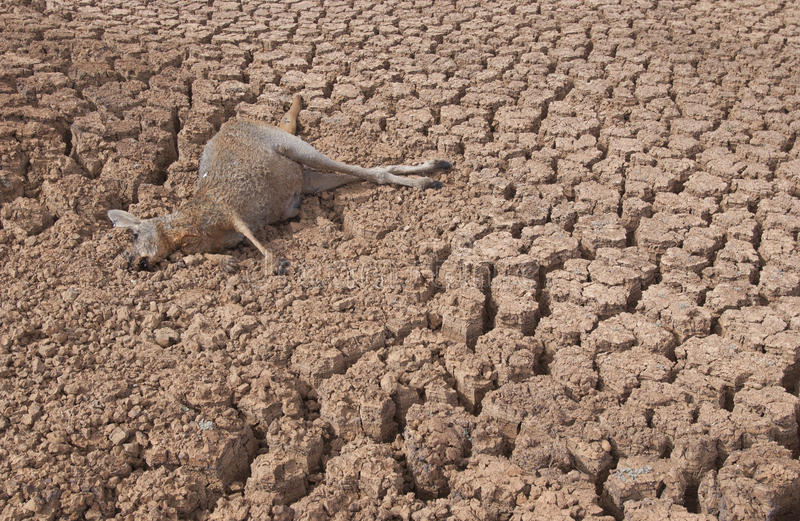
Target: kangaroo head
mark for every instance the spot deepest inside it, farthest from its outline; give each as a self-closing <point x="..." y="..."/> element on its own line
<point x="150" y="243"/>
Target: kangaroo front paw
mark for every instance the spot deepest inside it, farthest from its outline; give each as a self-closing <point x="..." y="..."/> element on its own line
<point x="227" y="262"/>
<point x="281" y="267"/>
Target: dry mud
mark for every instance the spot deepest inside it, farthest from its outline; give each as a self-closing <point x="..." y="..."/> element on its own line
<point x="597" y="317"/>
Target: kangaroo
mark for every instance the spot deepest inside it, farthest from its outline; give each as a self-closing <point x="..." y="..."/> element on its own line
<point x="252" y="173"/>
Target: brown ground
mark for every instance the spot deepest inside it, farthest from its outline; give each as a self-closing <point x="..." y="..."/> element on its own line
<point x="597" y="317"/>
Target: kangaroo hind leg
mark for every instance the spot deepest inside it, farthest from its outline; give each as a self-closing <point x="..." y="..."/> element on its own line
<point x="315" y="181"/>
<point x="298" y="150"/>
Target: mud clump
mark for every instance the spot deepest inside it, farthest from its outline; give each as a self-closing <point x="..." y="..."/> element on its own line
<point x="597" y="316"/>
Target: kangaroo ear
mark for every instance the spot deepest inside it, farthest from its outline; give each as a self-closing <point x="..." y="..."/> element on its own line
<point x="123" y="219"/>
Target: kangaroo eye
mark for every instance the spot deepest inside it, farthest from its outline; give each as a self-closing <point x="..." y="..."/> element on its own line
<point x="135" y="236"/>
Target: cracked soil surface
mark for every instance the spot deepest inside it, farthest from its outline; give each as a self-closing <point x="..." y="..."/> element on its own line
<point x="597" y="317"/>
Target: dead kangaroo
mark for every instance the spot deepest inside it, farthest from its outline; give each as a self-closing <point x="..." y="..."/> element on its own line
<point x="252" y="173"/>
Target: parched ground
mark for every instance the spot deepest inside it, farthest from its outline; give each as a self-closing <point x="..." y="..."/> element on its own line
<point x="597" y="317"/>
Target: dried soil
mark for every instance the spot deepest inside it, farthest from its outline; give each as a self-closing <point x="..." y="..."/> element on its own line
<point x="597" y="317"/>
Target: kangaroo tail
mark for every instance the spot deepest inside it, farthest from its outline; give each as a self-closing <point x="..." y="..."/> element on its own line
<point x="289" y="120"/>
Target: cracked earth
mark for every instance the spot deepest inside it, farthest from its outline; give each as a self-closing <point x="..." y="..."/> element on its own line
<point x="596" y="318"/>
